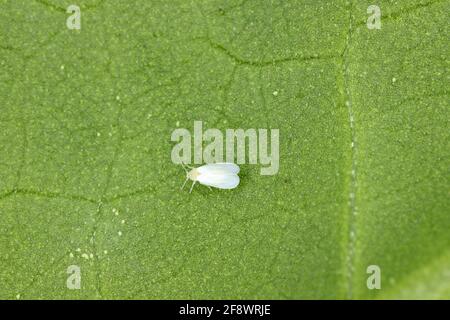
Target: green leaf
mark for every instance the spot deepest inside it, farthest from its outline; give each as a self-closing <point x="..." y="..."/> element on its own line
<point x="86" y="177"/>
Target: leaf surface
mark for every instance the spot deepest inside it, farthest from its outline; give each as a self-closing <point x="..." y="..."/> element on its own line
<point x="86" y="176"/>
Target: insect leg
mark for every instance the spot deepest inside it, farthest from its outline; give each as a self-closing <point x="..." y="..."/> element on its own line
<point x="192" y="187"/>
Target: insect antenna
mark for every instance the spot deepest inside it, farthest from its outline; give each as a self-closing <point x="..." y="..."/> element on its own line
<point x="184" y="183"/>
<point x="182" y="165"/>
<point x="186" y="167"/>
<point x="187" y="171"/>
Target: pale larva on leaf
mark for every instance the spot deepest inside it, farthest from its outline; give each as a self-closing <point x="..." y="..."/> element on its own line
<point x="218" y="175"/>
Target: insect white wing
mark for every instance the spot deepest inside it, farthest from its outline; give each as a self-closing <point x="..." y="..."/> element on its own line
<point x="221" y="167"/>
<point x="229" y="181"/>
<point x="219" y="175"/>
